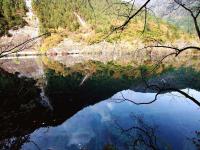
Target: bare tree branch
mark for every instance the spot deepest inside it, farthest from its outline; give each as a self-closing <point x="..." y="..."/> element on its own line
<point x="10" y="48"/>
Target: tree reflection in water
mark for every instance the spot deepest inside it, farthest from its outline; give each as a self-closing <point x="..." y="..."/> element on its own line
<point x="196" y="140"/>
<point x="19" y="108"/>
<point x="139" y="136"/>
<point x="21" y="114"/>
<point x="14" y="143"/>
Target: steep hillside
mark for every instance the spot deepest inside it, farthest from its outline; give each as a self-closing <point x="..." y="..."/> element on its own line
<point x="54" y="14"/>
<point x="63" y="18"/>
<point x="11" y="15"/>
<point x="165" y="9"/>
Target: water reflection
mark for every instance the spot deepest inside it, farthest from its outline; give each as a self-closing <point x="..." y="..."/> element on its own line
<point x="57" y="113"/>
<point x="94" y="126"/>
<point x="19" y="99"/>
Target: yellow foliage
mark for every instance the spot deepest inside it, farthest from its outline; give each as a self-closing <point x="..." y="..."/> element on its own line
<point x="94" y="38"/>
<point x="51" y="41"/>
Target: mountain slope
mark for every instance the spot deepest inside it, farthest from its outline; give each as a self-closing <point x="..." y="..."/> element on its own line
<point x="11" y="15"/>
<point x="101" y="17"/>
<point x="170" y="11"/>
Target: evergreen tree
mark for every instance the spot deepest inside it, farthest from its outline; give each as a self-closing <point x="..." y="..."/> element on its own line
<point x="11" y="14"/>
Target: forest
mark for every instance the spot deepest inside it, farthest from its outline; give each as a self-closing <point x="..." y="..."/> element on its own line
<point x="59" y="18"/>
<point x="99" y="74"/>
<point x="11" y="15"/>
<point x="53" y="14"/>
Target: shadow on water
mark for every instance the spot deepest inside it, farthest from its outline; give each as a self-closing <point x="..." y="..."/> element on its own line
<point x="22" y="113"/>
<point x="69" y="90"/>
<point x="85" y="84"/>
<point x="19" y="105"/>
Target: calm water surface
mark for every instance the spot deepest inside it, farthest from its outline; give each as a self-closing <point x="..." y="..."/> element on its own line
<point x="78" y="106"/>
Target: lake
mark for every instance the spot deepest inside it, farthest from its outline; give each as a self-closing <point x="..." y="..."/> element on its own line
<point x="84" y="102"/>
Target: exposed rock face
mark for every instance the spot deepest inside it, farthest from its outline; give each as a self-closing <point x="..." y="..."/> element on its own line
<point x="170" y="11"/>
<point x="162" y="8"/>
<point x="80" y="20"/>
<point x="29" y="31"/>
<point x="32" y="28"/>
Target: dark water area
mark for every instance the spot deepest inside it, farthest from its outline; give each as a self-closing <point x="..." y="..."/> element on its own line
<point x="79" y="103"/>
